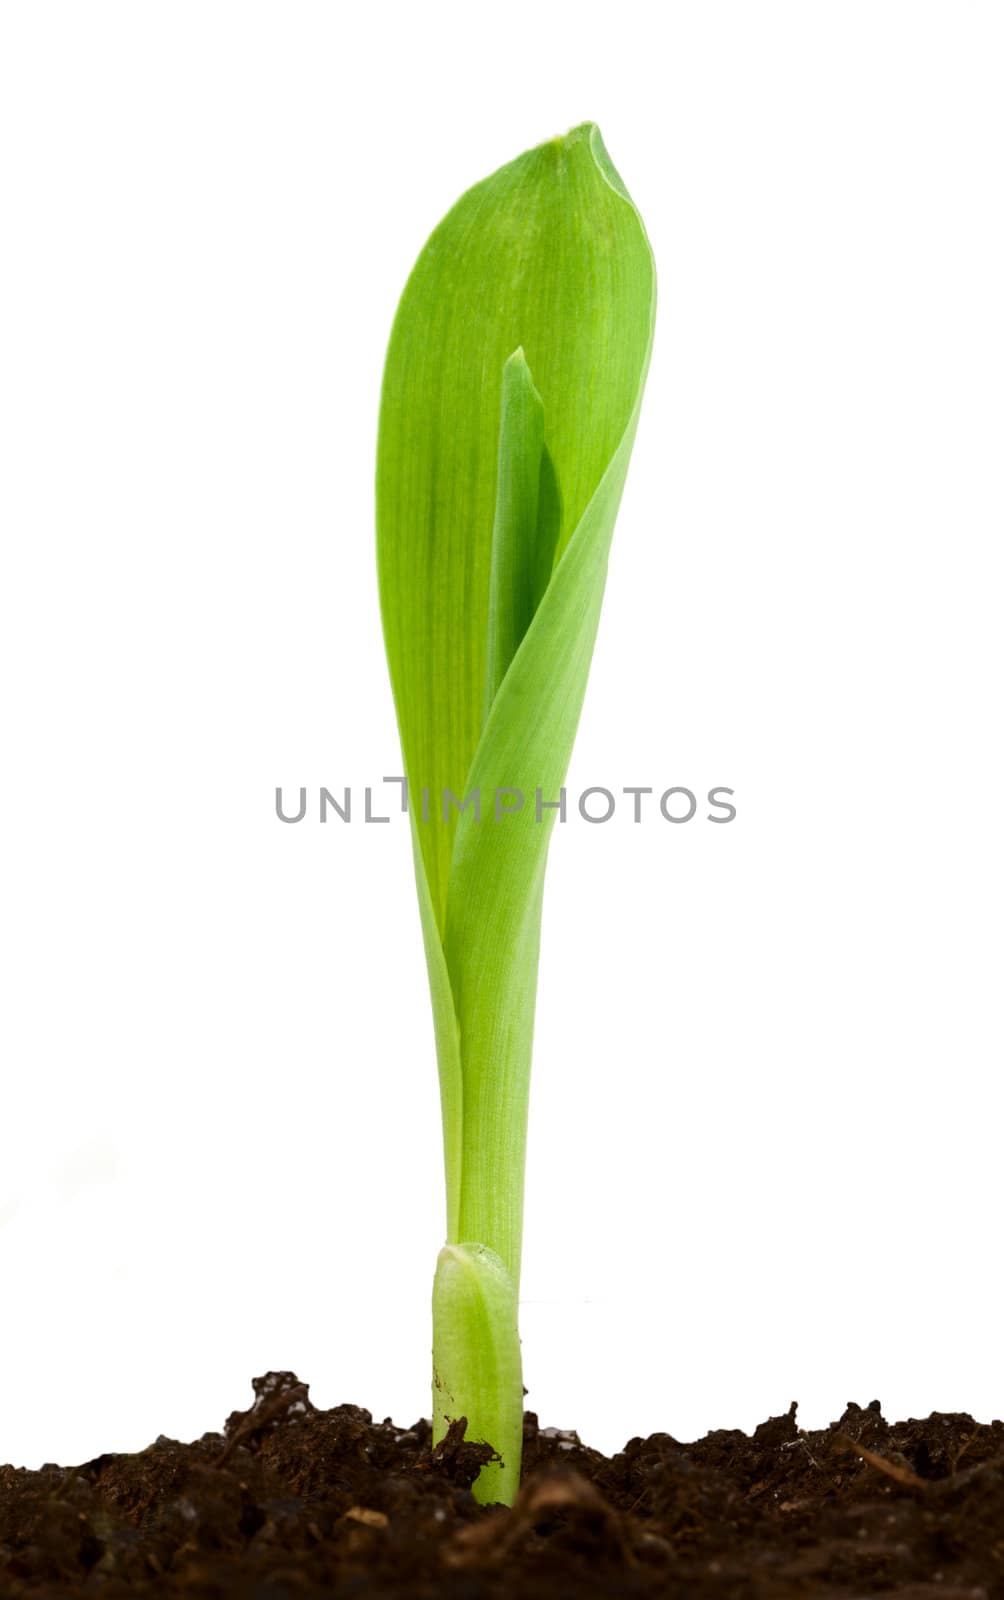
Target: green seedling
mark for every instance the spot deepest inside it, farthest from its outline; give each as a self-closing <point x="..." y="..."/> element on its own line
<point x="510" y="399"/>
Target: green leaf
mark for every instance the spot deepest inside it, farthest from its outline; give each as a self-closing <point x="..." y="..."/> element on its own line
<point x="511" y="395"/>
<point x="549" y="255"/>
<point x="525" y="531"/>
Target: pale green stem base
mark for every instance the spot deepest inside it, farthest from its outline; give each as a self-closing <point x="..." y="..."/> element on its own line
<point x="476" y="1365"/>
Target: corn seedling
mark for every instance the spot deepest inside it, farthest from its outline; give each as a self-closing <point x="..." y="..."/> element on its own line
<point x="510" y="399"/>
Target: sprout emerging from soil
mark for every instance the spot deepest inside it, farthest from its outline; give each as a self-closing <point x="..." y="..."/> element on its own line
<point x="510" y="399"/>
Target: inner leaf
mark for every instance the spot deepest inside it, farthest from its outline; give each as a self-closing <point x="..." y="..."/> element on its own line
<point x="525" y="528"/>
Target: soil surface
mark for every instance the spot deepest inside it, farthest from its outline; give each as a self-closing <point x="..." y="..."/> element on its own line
<point x="290" y="1501"/>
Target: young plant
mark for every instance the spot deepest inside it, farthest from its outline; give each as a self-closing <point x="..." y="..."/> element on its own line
<point x="510" y="399"/>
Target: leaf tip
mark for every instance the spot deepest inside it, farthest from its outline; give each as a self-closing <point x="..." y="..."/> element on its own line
<point x="601" y="156"/>
<point x="588" y="133"/>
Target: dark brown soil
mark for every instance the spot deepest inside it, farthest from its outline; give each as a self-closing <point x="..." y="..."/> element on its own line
<point x="292" y="1501"/>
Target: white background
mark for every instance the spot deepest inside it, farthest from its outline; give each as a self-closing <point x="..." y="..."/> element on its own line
<point x="766" y="1119"/>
